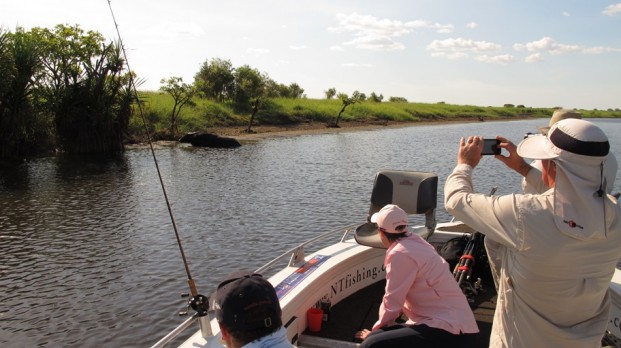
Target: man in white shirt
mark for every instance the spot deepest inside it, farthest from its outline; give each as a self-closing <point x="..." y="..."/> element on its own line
<point x="560" y="248"/>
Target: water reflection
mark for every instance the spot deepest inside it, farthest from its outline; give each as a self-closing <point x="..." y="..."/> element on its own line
<point x="14" y="177"/>
<point x="89" y="254"/>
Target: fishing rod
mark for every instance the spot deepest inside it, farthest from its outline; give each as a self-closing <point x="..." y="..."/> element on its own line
<point x="465" y="266"/>
<point x="463" y="269"/>
<point x="198" y="302"/>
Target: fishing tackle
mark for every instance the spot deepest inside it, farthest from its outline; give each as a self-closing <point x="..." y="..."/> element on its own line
<point x="199" y="303"/>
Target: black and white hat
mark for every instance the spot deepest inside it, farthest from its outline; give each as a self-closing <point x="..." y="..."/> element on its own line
<point x="575" y="136"/>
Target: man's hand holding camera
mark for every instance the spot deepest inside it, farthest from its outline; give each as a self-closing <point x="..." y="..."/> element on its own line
<point x="513" y="160"/>
<point x="470" y="151"/>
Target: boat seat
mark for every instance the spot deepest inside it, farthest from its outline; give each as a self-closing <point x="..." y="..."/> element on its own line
<point x="415" y="192"/>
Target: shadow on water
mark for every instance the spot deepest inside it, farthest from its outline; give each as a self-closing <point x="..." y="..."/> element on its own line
<point x="72" y="167"/>
<point x="16" y="176"/>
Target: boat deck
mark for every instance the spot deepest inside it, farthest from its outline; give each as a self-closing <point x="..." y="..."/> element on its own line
<point x="360" y="311"/>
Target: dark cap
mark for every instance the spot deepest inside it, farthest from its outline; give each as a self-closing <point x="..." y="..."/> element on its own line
<point x="246" y="301"/>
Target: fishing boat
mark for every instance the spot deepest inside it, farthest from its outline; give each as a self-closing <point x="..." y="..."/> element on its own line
<point x="342" y="271"/>
<point x="346" y="275"/>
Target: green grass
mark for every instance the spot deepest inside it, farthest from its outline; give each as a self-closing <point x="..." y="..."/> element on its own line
<point x="206" y="114"/>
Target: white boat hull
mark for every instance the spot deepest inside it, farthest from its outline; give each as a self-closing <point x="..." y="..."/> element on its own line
<point x="336" y="272"/>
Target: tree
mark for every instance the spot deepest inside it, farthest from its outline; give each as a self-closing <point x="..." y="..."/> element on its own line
<point x="249" y="84"/>
<point x="249" y="90"/>
<point x="85" y="87"/>
<point x="397" y="100"/>
<point x="20" y="129"/>
<point x="295" y="91"/>
<point x="274" y="89"/>
<point x="376" y="98"/>
<point x="215" y="79"/>
<point x="330" y="93"/>
<point x="356" y="97"/>
<point x="182" y="94"/>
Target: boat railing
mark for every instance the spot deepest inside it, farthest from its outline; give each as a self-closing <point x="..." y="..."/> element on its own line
<point x="296" y="255"/>
<point x="176" y="332"/>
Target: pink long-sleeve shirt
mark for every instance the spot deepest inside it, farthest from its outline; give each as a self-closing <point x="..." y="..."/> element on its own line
<point x="420" y="284"/>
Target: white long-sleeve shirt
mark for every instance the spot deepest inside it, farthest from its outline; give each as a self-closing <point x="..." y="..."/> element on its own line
<point x="553" y="287"/>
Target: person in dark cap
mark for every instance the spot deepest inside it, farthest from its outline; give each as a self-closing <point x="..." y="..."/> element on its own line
<point x="248" y="312"/>
<point x="560" y="247"/>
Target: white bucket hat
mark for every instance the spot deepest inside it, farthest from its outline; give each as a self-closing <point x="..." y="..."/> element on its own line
<point x="579" y="149"/>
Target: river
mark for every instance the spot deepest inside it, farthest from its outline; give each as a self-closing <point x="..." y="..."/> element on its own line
<point x="89" y="255"/>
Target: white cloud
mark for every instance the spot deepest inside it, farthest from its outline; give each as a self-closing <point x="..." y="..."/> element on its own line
<point x="566" y="14"/>
<point x="595" y="50"/>
<point x="376" y="43"/>
<point x="544" y="44"/>
<point x="460" y="48"/>
<point x="612" y="10"/>
<point x="498" y="59"/>
<point x="600" y="49"/>
<point x="472" y="25"/>
<point x="337" y="48"/>
<point x="547" y="44"/>
<point x="461" y="45"/>
<point x="562" y="49"/>
<point x="533" y="58"/>
<point x="373" y="33"/>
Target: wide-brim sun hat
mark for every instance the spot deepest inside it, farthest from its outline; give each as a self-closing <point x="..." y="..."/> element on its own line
<point x="574" y="136"/>
<point x="579" y="149"/>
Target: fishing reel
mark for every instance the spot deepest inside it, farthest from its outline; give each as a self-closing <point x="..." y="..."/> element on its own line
<point x="199" y="303"/>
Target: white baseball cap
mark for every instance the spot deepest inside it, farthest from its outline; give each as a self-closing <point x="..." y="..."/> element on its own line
<point x="390" y="217"/>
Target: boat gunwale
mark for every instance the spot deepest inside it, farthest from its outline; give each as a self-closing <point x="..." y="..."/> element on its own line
<point x="298" y="251"/>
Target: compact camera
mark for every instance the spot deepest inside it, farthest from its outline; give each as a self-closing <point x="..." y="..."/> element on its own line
<point x="490" y="147"/>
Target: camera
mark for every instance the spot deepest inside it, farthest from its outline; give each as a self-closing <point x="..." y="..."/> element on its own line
<point x="490" y="147"/>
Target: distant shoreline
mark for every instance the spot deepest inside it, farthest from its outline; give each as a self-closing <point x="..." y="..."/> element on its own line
<point x="261" y="132"/>
<point x="264" y="132"/>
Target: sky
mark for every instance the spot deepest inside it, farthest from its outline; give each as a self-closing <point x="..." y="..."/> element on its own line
<point x="537" y="53"/>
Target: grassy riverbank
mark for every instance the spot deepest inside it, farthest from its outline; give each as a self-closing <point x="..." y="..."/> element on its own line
<point x="283" y="114"/>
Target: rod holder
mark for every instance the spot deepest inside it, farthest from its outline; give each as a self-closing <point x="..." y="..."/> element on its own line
<point x="205" y="325"/>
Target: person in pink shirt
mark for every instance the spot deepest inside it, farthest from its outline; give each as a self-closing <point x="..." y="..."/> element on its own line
<point x="420" y="285"/>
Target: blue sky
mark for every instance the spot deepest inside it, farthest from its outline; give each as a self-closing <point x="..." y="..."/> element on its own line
<point x="540" y="53"/>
